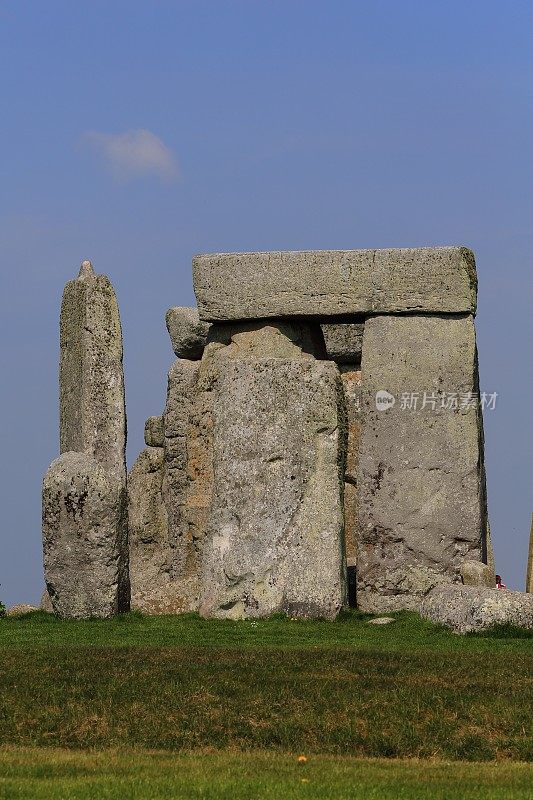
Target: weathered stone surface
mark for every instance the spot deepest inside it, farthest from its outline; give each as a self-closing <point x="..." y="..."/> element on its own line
<point x="326" y="283"/>
<point x="92" y="406"/>
<point x="152" y="589"/>
<point x="20" y="609"/>
<point x="46" y="603"/>
<point x="275" y="533"/>
<point x="184" y="554"/>
<point x="154" y="432"/>
<point x="273" y="338"/>
<point x="529" y="574"/>
<point x="476" y="573"/>
<point x="187" y="333"/>
<point x="420" y="475"/>
<point x="84" y="538"/>
<point x="381" y="621"/>
<point x="469" y="608"/>
<point x="344" y="342"/>
<point x="351" y="382"/>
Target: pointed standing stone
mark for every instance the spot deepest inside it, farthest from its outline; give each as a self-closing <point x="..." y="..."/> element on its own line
<point x="85" y="537"/>
<point x="91" y="379"/>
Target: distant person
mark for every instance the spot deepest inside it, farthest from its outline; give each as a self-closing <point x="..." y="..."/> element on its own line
<point x="499" y="584"/>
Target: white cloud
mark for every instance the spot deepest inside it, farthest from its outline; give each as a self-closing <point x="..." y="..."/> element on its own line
<point x="135" y="154"/>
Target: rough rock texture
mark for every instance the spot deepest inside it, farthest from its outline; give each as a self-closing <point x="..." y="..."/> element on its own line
<point x="529" y="574"/>
<point x="183" y="555"/>
<point x="476" y="573"/>
<point x="84" y="538"/>
<point x="351" y="382"/>
<point x="152" y="589"/>
<point x="420" y="474"/>
<point x="91" y="380"/>
<point x="20" y="609"/>
<point x="167" y="553"/>
<point x="344" y="342"/>
<point x="469" y="608"/>
<point x="187" y="333"/>
<point x="274" y="338"/>
<point x="154" y="432"/>
<point x="275" y="538"/>
<point x="46" y="603"/>
<point x="327" y="283"/>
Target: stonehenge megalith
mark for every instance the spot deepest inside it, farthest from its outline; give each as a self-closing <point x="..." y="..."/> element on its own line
<point x="85" y="531"/>
<point x="320" y="445"/>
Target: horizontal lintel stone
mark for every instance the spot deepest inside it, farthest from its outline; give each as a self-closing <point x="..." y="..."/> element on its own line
<point x="332" y="283"/>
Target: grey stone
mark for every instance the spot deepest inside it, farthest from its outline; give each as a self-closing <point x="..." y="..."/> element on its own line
<point x="187" y="333"/>
<point x="152" y="589"/>
<point x="84" y="491"/>
<point x="92" y="406"/>
<point x="184" y="557"/>
<point x="473" y="608"/>
<point x="351" y="382"/>
<point x="85" y="538"/>
<point x="275" y="536"/>
<point x="273" y="338"/>
<point x="324" y="283"/>
<point x="344" y="342"/>
<point x="420" y="472"/>
<point x="381" y="621"/>
<point x="20" y="609"/>
<point x="476" y="573"/>
<point x="46" y="603"/>
<point x="189" y="423"/>
<point x="154" y="432"/>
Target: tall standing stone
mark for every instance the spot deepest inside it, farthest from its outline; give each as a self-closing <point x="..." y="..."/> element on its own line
<point x="152" y="589"/>
<point x="421" y="477"/>
<point x="91" y="378"/>
<point x="274" y="540"/>
<point x="84" y="492"/>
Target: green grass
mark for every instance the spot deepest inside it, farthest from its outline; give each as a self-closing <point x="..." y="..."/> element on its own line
<point x="408" y="690"/>
<point x="48" y="774"/>
<point x="409" y="633"/>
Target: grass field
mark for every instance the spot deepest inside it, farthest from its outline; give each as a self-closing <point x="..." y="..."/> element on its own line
<point x="58" y="775"/>
<point x="233" y="703"/>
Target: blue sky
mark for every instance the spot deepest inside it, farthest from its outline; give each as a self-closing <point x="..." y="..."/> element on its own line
<point x="139" y="133"/>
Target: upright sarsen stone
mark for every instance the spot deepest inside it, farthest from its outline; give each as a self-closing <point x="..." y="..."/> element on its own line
<point x="152" y="588"/>
<point x="85" y="537"/>
<point x="275" y="537"/>
<point x="325" y="283"/>
<point x="420" y="471"/>
<point x="91" y="378"/>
